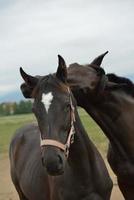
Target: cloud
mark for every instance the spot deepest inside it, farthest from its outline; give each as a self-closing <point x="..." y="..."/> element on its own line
<point x="34" y="32"/>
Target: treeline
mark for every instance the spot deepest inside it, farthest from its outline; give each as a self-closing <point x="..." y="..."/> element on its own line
<point x="21" y="107"/>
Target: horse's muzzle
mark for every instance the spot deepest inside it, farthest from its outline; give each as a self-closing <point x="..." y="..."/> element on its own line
<point x="53" y="162"/>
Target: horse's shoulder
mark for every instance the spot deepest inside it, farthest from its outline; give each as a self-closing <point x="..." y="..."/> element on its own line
<point x="22" y="133"/>
<point x="21" y="137"/>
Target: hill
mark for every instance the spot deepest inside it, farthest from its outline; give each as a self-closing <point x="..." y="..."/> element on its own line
<point x="13" y="96"/>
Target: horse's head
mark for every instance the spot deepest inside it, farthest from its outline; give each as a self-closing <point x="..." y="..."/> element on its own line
<point x="88" y="78"/>
<point x="54" y="110"/>
<point x="89" y="82"/>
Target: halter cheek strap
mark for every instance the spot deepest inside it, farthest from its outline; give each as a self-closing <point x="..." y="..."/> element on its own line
<point x="64" y="147"/>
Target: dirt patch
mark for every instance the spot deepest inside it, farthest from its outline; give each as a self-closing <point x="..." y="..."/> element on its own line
<point x="8" y="192"/>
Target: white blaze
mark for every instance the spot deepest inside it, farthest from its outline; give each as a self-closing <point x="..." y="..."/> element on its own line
<point x="46" y="100"/>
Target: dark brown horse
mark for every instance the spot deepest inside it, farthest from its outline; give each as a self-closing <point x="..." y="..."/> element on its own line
<point x="109" y="99"/>
<point x="56" y="161"/>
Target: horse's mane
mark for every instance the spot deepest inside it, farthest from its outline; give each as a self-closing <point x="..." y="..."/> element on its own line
<point x="126" y="84"/>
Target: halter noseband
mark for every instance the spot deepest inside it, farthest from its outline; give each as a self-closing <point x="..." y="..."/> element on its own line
<point x="64" y="147"/>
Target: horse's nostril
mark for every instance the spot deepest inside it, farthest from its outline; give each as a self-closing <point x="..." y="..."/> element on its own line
<point x="60" y="160"/>
<point x="42" y="159"/>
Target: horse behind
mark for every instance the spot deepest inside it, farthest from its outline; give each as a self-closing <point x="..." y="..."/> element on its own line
<point x="109" y="99"/>
<point x="55" y="159"/>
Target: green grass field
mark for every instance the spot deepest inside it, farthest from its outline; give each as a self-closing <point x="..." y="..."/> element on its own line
<point x="8" y="126"/>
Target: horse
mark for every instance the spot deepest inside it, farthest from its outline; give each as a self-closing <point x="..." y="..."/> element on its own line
<point x="55" y="160"/>
<point x="109" y="100"/>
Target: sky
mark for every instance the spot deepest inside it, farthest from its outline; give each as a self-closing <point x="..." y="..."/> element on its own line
<point x="33" y="33"/>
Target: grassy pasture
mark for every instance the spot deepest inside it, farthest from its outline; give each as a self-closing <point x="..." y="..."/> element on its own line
<point x="9" y="124"/>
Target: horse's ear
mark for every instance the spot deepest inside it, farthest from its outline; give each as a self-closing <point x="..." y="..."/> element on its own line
<point x="26" y="90"/>
<point x="97" y="61"/>
<point x="61" y="73"/>
<point x="30" y="80"/>
<point x="29" y="85"/>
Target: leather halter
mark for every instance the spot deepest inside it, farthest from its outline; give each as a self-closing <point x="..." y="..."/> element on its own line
<point x="70" y="139"/>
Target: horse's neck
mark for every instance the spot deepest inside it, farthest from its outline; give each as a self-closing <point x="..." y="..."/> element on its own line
<point x="79" y="151"/>
<point x="115" y="115"/>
